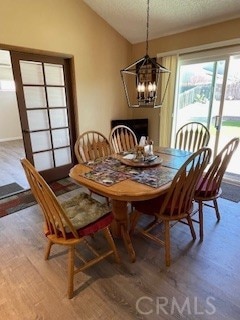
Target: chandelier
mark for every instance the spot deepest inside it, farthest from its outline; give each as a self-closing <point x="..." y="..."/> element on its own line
<point x="145" y="81"/>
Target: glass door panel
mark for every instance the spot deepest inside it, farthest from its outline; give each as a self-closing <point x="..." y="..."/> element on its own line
<point x="31" y="72"/>
<point x="54" y="74"/>
<point x="40" y="141"/>
<point x="199" y="95"/>
<point x="209" y="92"/>
<point x="230" y="124"/>
<point x="58" y="118"/>
<point x="62" y="156"/>
<point x="56" y="97"/>
<point x="43" y="161"/>
<point x="44" y="106"/>
<point x="35" y="97"/>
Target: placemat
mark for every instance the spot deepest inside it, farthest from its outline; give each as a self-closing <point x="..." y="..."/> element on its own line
<point x="155" y="177"/>
<point x="106" y="176"/>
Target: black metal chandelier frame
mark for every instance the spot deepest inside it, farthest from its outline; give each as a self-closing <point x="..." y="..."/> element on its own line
<point x="143" y="80"/>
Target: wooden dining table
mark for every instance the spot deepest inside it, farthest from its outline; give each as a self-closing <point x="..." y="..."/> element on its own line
<point x="125" y="183"/>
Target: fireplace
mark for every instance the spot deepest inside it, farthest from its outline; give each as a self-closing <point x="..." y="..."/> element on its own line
<point x="139" y="126"/>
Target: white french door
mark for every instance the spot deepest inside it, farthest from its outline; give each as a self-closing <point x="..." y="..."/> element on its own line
<point x="46" y="113"/>
<point x="208" y="91"/>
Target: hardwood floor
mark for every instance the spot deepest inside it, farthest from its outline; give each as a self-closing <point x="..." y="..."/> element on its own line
<point x="202" y="283"/>
<point x="11" y="169"/>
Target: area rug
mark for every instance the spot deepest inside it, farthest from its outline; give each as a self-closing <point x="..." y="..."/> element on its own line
<point x="9" y="190"/>
<point x="230" y="192"/>
<point x="26" y="199"/>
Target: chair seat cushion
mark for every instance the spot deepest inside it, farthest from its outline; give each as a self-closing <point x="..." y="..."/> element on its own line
<point x="92" y="228"/>
<point x="153" y="206"/>
<point x="150" y="207"/>
<point x="206" y="188"/>
<point x="83" y="211"/>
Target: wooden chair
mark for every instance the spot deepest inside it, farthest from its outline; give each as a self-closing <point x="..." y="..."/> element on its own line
<point x="175" y="205"/>
<point x="209" y="186"/>
<point x="122" y="138"/>
<point x="192" y="136"/>
<point x="91" y="145"/>
<point x="68" y="224"/>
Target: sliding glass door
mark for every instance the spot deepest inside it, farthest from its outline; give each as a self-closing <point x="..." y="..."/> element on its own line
<point x="230" y="116"/>
<point x="208" y="91"/>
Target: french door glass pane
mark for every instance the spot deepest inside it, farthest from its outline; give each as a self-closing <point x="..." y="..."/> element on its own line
<point x="54" y="74"/>
<point x="60" y="138"/>
<point x="62" y="156"/>
<point x="31" y="72"/>
<point x="37" y="119"/>
<point x="56" y="97"/>
<point x="43" y="160"/>
<point x="35" y="97"/>
<point x="40" y="141"/>
<point x="58" y="118"/>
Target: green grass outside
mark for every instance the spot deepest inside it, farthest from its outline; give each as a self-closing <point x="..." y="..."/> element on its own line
<point x="229" y="123"/>
<point x="227" y="130"/>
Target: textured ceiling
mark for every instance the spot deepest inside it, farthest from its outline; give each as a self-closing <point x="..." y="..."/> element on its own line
<point x="166" y="17"/>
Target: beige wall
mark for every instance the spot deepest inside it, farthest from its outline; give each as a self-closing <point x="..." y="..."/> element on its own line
<point x="198" y="37"/>
<point x="72" y="28"/>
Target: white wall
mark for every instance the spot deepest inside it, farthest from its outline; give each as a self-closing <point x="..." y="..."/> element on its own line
<point x="10" y="128"/>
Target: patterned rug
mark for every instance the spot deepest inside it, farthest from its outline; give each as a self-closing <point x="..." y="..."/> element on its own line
<point x="9" y="190"/>
<point x="25" y="199"/>
<point x="230" y="191"/>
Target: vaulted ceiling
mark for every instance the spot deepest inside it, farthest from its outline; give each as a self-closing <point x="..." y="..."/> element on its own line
<point x="166" y="17"/>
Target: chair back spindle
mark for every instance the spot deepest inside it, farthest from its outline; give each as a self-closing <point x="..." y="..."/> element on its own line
<point x="179" y="199"/>
<point x="91" y="145"/>
<point x="192" y="136"/>
<point x="209" y="186"/>
<point x="122" y="138"/>
<point x="54" y="215"/>
<point x="212" y="179"/>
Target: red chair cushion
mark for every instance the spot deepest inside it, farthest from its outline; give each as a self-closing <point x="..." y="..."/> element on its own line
<point x="207" y="189"/>
<point x="101" y="223"/>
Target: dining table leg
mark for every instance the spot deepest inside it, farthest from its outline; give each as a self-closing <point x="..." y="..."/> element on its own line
<point x="120" y="226"/>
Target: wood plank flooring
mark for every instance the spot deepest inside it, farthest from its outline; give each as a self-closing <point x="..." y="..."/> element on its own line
<point x="202" y="283"/>
<point x="10" y="167"/>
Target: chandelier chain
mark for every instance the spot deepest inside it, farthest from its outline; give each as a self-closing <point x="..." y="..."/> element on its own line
<point x="147" y="27"/>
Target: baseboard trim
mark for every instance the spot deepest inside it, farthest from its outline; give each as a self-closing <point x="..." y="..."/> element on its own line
<point x="10" y="139"/>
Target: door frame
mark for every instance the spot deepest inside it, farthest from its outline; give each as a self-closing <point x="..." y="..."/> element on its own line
<point x="60" y="172"/>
